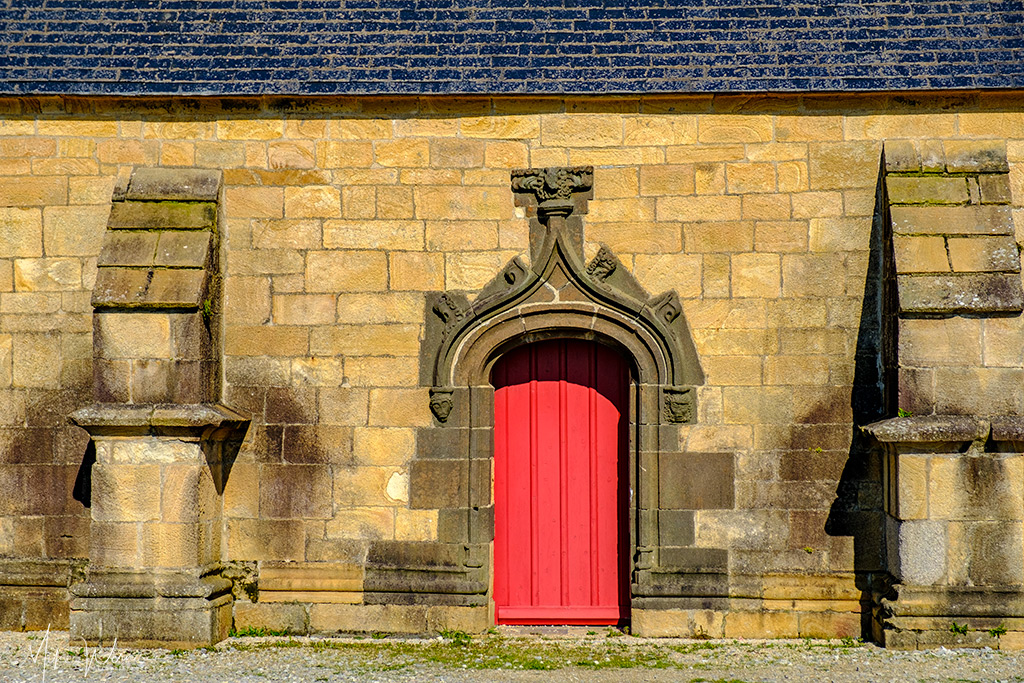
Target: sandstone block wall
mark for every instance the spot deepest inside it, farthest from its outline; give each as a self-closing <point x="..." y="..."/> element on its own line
<point x="340" y="215"/>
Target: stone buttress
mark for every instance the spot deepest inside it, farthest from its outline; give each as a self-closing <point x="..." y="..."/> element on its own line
<point x="954" y="455"/>
<point x="163" y="444"/>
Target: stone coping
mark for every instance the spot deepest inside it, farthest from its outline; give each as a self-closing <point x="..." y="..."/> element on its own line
<point x="942" y="428"/>
<point x="145" y="584"/>
<point x="116" y="419"/>
<point x="963" y="601"/>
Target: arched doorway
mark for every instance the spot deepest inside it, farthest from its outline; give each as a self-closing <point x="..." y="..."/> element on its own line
<point x="561" y="484"/>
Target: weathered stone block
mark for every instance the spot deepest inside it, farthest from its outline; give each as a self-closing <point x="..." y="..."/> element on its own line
<point x="114" y="544"/>
<point x="984" y="254"/>
<point x="126" y="493"/>
<point x="936" y="343"/>
<point x="901" y="156"/>
<point x="370" y="523"/>
<point x="968" y="293"/>
<point x="696" y="480"/>
<point x="439" y="484"/>
<point x="274" y="616"/>
<point x="739" y="624"/>
<point x="979" y="391"/>
<point x="995" y="188"/>
<point x="169" y="623"/>
<point x="47" y="274"/>
<point x="756" y="275"/>
<point x="174" y="183"/>
<point x="21" y="232"/>
<point x="120" y="287"/>
<point x="254" y="202"/>
<point x="921" y="553"/>
<point x="912" y="487"/>
<point x="150" y="215"/>
<point x="920" y="254"/>
<point x="370" y="486"/>
<point x="466" y="525"/>
<point x="975" y="156"/>
<point x="183" y="249"/>
<point x="952" y="220"/>
<point x="346" y="271"/>
<point x="675" y="527"/>
<point x="124" y="248"/>
<point x="926" y="190"/>
<point x="262" y="540"/>
<point x="175" y="546"/>
<point x="986" y="553"/>
<point x="368" y="618"/>
<point x="455" y="618"/>
<point x="699" y="560"/>
<point x="296" y="492"/>
<point x="132" y="335"/>
<point x="175" y="288"/>
<point x="314" y="201"/>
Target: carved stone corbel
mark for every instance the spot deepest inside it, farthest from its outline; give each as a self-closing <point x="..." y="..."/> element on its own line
<point x="441" y="403"/>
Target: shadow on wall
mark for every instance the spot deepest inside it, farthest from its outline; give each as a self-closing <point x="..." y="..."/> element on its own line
<point x="82" y="490"/>
<point x="857" y="510"/>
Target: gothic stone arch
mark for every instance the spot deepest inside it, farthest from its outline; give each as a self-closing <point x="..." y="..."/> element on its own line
<point x="557" y="295"/>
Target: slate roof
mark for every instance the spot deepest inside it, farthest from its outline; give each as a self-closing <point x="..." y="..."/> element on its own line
<point x="311" y="47"/>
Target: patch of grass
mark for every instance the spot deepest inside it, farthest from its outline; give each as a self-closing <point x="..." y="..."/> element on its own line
<point x="257" y="632"/>
<point x="696" y="647"/>
<point x="457" y="638"/>
<point x="460" y="651"/>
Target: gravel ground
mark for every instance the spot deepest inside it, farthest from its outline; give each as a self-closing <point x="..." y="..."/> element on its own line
<point x="509" y="655"/>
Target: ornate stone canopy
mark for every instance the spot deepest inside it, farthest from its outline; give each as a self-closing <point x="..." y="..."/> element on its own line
<point x="559" y="295"/>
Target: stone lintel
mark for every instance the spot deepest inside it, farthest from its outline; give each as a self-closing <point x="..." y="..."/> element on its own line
<point x="196" y="420"/>
<point x="929" y="429"/>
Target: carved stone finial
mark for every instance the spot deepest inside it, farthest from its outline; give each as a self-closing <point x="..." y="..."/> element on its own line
<point x="553" y="187"/>
<point x="679" y="404"/>
<point x="441" y="403"/>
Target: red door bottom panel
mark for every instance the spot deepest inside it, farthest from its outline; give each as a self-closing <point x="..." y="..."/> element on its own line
<point x="560" y="484"/>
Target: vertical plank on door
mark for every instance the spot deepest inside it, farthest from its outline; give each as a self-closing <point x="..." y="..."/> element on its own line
<point x="561" y="536"/>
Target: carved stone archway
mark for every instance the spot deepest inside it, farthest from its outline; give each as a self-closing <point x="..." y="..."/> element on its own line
<point x="557" y="296"/>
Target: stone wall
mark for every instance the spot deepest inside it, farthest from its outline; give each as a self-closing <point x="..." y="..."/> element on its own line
<point x="340" y="216"/>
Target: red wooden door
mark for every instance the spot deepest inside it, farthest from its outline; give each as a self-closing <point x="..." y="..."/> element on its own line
<point x="561" y="533"/>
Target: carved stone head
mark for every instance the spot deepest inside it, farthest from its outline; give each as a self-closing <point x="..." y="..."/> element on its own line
<point x="441" y="403"/>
